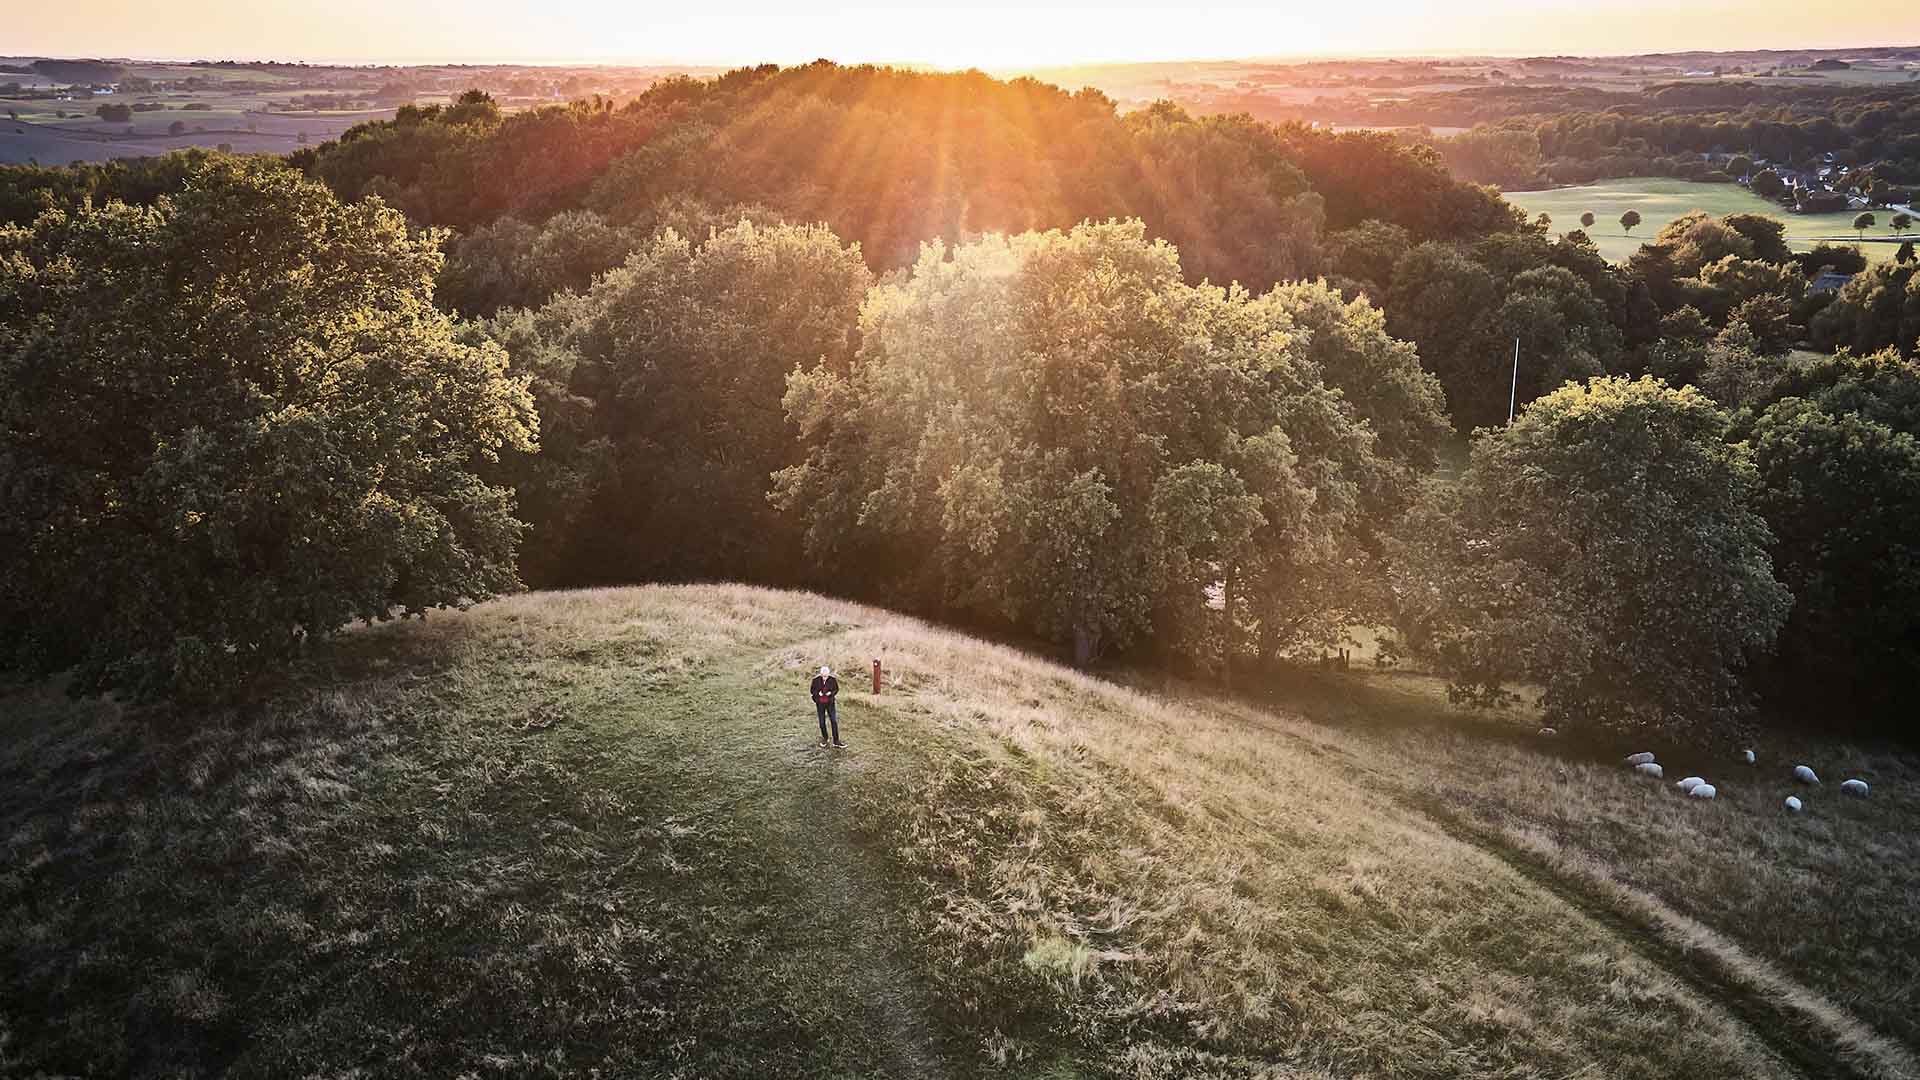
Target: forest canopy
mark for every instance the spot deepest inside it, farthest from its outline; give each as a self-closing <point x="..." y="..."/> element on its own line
<point x="1140" y="384"/>
<point x="234" y="420"/>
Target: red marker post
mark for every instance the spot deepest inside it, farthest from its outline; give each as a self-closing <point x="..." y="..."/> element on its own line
<point x="876" y="674"/>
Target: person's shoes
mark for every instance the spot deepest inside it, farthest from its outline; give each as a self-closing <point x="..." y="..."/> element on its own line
<point x="823" y="742"/>
<point x="839" y="744"/>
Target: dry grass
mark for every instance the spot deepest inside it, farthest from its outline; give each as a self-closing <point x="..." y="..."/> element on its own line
<point x="1818" y="910"/>
<point x="1015" y="870"/>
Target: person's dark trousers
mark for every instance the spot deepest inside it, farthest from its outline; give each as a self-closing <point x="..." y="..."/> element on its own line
<point x="826" y="711"/>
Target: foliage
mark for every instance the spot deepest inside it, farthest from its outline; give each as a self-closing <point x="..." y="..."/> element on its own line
<point x="26" y="191"/>
<point x="1767" y="235"/>
<point x="1365" y="255"/>
<point x="509" y="263"/>
<point x="1602" y="547"/>
<point x="1465" y="308"/>
<point x="661" y="387"/>
<point x="1243" y="200"/>
<point x="1055" y="430"/>
<point x="1883" y="387"/>
<point x="466" y="164"/>
<point x="1837" y="257"/>
<point x="1697" y="239"/>
<point x="1582" y="134"/>
<point x="1379" y="375"/>
<point x="1373" y="175"/>
<point x="1841" y="492"/>
<point x="1762" y="322"/>
<point x="79" y="72"/>
<point x="231" y="422"/>
<point x="1506" y="158"/>
<point x="1721" y="286"/>
<point x="1225" y="191"/>
<point x="1875" y="310"/>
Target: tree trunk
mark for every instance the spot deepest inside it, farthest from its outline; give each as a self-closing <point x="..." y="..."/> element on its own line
<point x="1166" y="656"/>
<point x="1228" y="642"/>
<point x="1085" y="642"/>
<point x="1266" y="637"/>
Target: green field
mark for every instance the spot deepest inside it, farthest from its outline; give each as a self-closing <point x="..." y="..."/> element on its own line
<point x="1660" y="200"/>
<point x="593" y="833"/>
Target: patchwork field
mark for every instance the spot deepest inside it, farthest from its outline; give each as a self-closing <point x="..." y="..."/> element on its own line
<point x="594" y="830"/>
<point x="49" y="141"/>
<point x="1660" y="200"/>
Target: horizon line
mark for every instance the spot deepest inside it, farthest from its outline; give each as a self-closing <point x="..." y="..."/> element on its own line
<point x="1289" y="58"/>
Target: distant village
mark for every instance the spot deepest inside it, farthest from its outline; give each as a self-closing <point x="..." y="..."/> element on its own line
<point x="1830" y="185"/>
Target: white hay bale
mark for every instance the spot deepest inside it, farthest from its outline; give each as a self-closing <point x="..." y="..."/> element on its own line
<point x="1702" y="791"/>
<point x="1854" y="787"/>
<point x="1793" y="803"/>
<point x="1648" y="768"/>
<point x="1642" y="758"/>
<point x="1805" y="775"/>
<point x="1689" y="783"/>
<point x="1746" y="756"/>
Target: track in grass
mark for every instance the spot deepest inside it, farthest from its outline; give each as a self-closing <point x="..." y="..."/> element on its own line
<point x="1815" y="1037"/>
<point x="574" y="831"/>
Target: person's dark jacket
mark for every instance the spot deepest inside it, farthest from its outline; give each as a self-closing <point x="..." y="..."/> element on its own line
<point x="825" y="689"/>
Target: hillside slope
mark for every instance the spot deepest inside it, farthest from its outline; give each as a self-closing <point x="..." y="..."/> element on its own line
<point x="595" y="830"/>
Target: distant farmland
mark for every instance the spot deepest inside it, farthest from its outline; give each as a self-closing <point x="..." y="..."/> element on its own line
<point x="62" y="143"/>
<point x="1661" y="200"/>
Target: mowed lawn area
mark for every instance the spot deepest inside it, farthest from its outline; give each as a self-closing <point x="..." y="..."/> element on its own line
<point x="579" y="833"/>
<point x="1660" y="200"/>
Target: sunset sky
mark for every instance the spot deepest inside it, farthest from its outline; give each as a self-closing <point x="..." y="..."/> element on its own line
<point x="988" y="34"/>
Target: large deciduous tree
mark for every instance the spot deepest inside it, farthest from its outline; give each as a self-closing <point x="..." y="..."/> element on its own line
<point x="1466" y="310"/>
<point x="1054" y="429"/>
<point x="1602" y="547"/>
<point x="1841" y="493"/>
<point x="233" y="421"/>
<point x="1878" y="308"/>
<point x="663" y="387"/>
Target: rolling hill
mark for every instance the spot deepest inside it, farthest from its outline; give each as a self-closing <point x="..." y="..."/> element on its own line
<point x="593" y="832"/>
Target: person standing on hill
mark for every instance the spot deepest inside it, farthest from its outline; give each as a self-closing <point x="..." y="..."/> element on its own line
<point x="825" y="688"/>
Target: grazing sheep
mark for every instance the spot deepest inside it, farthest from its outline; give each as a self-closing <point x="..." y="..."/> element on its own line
<point x="1702" y="791"/>
<point x="1805" y="775"/>
<point x="1689" y="783"/>
<point x="1746" y="756"/>
<point x="1642" y="758"/>
<point x="1854" y="787"/>
<point x="1648" y="768"/>
<point x="1793" y="803"/>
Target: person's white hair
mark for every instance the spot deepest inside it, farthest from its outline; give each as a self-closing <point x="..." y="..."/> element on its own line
<point x="825" y="670"/>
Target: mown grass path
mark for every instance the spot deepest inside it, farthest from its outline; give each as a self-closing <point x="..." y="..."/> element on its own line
<point x="830" y="931"/>
<point x="818" y="964"/>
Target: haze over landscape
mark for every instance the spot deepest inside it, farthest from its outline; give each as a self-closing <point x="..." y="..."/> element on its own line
<point x="998" y="34"/>
<point x="1132" y="540"/>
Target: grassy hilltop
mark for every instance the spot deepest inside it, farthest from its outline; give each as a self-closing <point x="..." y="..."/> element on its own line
<point x="584" y="831"/>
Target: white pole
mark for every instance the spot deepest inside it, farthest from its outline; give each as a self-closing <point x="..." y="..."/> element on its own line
<point x="1513" y="392"/>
